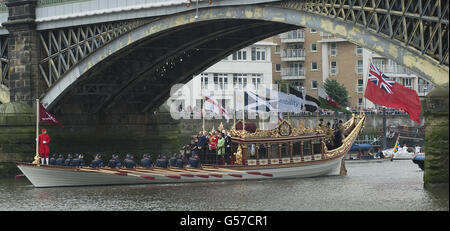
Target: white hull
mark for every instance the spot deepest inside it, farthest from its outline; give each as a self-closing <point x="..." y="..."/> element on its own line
<point x="44" y="176"/>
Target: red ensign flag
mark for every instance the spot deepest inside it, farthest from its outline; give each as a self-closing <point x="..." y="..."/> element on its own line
<point x="45" y="116"/>
<point x="386" y="92"/>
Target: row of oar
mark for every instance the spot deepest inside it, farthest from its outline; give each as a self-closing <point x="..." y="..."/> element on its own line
<point x="175" y="173"/>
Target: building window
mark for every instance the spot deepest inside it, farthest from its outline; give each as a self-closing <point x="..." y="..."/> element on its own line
<point x="313" y="84"/>
<point x="256" y="80"/>
<point x="360" y="86"/>
<point x="407" y="82"/>
<point x="220" y="81"/>
<point x="239" y="81"/>
<point x="240" y="55"/>
<point x="313" y="30"/>
<point x="333" y="49"/>
<point x="379" y="63"/>
<point x="258" y="53"/>
<point x="277" y="49"/>
<point x="204" y="81"/>
<point x="277" y="67"/>
<point x="360" y="102"/>
<point x="313" y="47"/>
<point x="333" y="68"/>
<point x="314" y="66"/>
<point x="359" y="50"/>
<point x="359" y="67"/>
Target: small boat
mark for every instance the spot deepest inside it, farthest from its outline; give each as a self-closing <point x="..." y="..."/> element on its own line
<point x="419" y="160"/>
<point x="282" y="152"/>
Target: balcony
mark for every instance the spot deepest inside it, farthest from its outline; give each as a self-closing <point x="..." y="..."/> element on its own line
<point x="423" y="89"/>
<point x="294" y="36"/>
<point x="292" y="73"/>
<point x="293" y="55"/>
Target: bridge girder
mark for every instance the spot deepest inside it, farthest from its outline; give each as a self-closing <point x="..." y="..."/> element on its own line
<point x="290" y="13"/>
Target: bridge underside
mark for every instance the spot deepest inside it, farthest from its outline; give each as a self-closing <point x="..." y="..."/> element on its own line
<point x="138" y="80"/>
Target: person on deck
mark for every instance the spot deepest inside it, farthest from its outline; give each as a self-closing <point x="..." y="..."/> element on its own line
<point x="202" y="145"/>
<point x="227" y="147"/>
<point x="213" y="139"/>
<point x="220" y="149"/>
<point x="43" y="148"/>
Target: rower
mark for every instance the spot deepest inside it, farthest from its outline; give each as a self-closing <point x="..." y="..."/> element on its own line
<point x="75" y="161"/>
<point x="81" y="158"/>
<point x="181" y="161"/>
<point x="52" y="160"/>
<point x="97" y="162"/>
<point x="68" y="161"/>
<point x="60" y="160"/>
<point x="129" y="162"/>
<point x="146" y="162"/>
<point x="162" y="161"/>
<point x="194" y="161"/>
<point x="115" y="162"/>
<point x="173" y="160"/>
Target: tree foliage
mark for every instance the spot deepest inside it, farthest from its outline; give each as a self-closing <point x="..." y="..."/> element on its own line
<point x="336" y="91"/>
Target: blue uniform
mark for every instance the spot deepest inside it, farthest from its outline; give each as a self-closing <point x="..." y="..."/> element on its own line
<point x="162" y="163"/>
<point x="180" y="163"/>
<point x="52" y="160"/>
<point x="146" y="162"/>
<point x="68" y="161"/>
<point x="129" y="163"/>
<point x="194" y="162"/>
<point x="59" y="161"/>
<point x="173" y="161"/>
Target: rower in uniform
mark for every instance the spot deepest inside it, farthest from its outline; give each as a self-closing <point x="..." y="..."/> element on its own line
<point x="75" y="161"/>
<point x="162" y="161"/>
<point x="146" y="162"/>
<point x="194" y="161"/>
<point x="129" y="162"/>
<point x="68" y="161"/>
<point x="173" y="161"/>
<point x="81" y="158"/>
<point x="52" y="160"/>
<point x="97" y="162"/>
<point x="60" y="160"/>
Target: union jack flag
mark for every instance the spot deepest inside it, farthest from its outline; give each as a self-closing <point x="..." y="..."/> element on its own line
<point x="381" y="80"/>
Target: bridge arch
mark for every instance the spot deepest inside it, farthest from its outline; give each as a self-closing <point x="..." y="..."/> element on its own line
<point x="265" y="21"/>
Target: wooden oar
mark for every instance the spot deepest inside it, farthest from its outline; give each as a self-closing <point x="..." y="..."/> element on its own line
<point x="116" y="172"/>
<point x="158" y="173"/>
<point x="239" y="171"/>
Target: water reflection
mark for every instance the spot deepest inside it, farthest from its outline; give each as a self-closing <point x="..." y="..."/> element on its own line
<point x="388" y="185"/>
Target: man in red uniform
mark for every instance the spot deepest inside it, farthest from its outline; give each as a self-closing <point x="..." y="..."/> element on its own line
<point x="44" y="150"/>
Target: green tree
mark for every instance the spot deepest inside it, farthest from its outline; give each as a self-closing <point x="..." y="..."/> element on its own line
<point x="336" y="91"/>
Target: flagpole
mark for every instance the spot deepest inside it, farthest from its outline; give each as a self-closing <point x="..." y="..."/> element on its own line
<point x="234" y="106"/>
<point x="243" y="111"/>
<point x="203" y="108"/>
<point x="37" y="127"/>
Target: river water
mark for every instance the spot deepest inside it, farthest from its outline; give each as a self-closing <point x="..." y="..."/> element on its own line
<point x="386" y="185"/>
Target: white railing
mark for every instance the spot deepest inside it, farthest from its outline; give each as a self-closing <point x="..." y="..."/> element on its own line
<point x="293" y="53"/>
<point x="294" y="34"/>
<point x="293" y="72"/>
